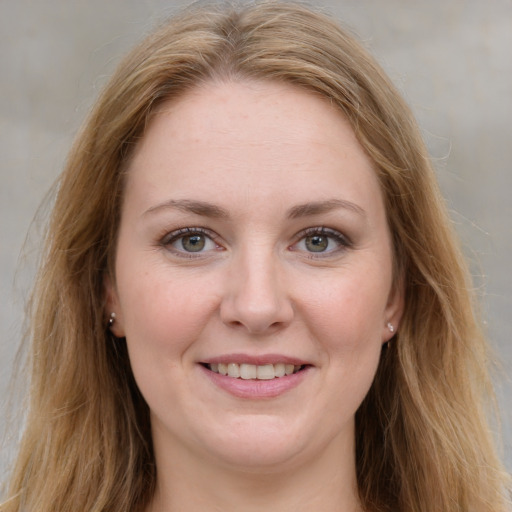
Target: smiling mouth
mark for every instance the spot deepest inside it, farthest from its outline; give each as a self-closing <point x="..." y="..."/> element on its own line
<point x="253" y="371"/>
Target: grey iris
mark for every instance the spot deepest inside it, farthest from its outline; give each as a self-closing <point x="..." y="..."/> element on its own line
<point x="317" y="243"/>
<point x="193" y="243"/>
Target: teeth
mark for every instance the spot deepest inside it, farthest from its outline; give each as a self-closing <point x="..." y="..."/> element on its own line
<point x="279" y="370"/>
<point x="248" y="371"/>
<point x="252" y="371"/>
<point x="266" y="372"/>
<point x="234" y="370"/>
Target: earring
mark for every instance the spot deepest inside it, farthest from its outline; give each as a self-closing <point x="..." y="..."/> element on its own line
<point x="391" y="327"/>
<point x="112" y="319"/>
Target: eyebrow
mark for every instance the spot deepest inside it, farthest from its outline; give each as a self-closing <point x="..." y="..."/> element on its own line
<point x="202" y="208"/>
<point x="318" y="207"/>
<point x="206" y="209"/>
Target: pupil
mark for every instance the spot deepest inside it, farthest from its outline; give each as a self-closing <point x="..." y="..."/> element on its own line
<point x="317" y="243"/>
<point x="193" y="243"/>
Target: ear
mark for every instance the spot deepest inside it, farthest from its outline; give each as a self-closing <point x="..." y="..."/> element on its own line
<point x="394" y="310"/>
<point x="112" y="305"/>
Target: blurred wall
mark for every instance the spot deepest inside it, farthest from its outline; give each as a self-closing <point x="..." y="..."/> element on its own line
<point x="451" y="60"/>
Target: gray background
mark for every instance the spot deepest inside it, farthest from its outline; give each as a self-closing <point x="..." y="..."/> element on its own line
<point x="451" y="58"/>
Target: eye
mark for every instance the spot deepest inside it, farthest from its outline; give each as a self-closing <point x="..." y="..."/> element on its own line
<point x="317" y="243"/>
<point x="187" y="241"/>
<point x="321" y="240"/>
<point x="191" y="243"/>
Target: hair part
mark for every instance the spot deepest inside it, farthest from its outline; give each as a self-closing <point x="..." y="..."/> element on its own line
<point x="87" y="447"/>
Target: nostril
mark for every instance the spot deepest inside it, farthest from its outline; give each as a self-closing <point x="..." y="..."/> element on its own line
<point x="256" y="306"/>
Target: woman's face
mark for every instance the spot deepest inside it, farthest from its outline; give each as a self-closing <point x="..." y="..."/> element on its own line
<point x="253" y="241"/>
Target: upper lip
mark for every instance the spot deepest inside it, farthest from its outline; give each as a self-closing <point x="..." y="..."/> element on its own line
<point x="257" y="360"/>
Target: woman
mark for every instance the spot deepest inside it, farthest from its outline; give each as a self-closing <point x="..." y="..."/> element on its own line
<point x="250" y="296"/>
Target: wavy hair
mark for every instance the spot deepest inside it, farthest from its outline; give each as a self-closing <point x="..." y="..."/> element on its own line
<point x="423" y="442"/>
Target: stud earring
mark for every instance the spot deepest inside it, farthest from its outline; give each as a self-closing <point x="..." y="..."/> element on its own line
<point x="112" y="319"/>
<point x="391" y="327"/>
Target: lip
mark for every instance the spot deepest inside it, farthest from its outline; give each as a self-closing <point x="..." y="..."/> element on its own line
<point x="258" y="360"/>
<point x="256" y="389"/>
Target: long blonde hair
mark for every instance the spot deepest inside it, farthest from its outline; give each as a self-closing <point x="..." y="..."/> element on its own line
<point x="423" y="442"/>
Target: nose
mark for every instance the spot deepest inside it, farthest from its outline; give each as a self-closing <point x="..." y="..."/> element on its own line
<point x="256" y="297"/>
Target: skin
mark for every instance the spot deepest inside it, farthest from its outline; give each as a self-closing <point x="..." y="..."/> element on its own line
<point x="255" y="153"/>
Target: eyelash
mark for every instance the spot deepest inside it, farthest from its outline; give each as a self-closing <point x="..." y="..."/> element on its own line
<point x="343" y="241"/>
<point x="174" y="236"/>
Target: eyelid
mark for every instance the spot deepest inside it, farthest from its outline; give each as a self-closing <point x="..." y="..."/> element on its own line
<point x="343" y="240"/>
<point x="169" y="238"/>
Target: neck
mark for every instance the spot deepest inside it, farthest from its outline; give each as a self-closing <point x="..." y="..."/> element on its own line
<point x="327" y="483"/>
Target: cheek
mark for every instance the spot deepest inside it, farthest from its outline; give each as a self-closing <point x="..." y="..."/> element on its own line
<point x="162" y="313"/>
<point x="346" y="316"/>
<point x="163" y="320"/>
<point x="349" y="311"/>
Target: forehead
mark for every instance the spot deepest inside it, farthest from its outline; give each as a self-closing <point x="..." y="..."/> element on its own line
<point x="264" y="112"/>
<point x="251" y="137"/>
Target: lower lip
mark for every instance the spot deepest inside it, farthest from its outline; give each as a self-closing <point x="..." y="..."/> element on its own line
<point x="256" y="389"/>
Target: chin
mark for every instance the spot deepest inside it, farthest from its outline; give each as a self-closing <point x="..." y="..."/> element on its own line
<point x="259" y="444"/>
